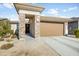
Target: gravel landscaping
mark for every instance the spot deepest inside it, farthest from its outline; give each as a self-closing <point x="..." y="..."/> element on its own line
<point x="29" y="48"/>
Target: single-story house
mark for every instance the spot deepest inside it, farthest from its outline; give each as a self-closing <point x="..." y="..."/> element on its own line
<point x="14" y="25"/>
<point x="31" y="21"/>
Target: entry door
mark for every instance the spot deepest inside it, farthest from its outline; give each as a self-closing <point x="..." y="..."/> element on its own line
<point x="27" y="29"/>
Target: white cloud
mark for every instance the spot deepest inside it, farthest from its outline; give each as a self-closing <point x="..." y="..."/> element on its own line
<point x="11" y="17"/>
<point x="64" y="16"/>
<point x="53" y="11"/>
<point x="8" y="5"/>
<point x="64" y="10"/>
<point x="73" y="8"/>
<point x="14" y="17"/>
<point x="70" y="9"/>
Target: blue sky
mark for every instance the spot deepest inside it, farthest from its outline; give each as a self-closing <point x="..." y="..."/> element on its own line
<point x="61" y="9"/>
<point x="51" y="9"/>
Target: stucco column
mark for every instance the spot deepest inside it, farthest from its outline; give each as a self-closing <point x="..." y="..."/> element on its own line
<point x="21" y="25"/>
<point x="66" y="28"/>
<point x="37" y="26"/>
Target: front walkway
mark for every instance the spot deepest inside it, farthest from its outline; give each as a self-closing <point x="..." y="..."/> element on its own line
<point x="29" y="46"/>
<point x="65" y="46"/>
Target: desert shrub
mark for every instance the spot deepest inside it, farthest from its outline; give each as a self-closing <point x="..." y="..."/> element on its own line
<point x="1" y="33"/>
<point x="76" y="33"/>
<point x="5" y="28"/>
<point x="7" y="46"/>
<point x="11" y="32"/>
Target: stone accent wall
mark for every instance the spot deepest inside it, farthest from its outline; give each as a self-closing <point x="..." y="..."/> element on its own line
<point x="32" y="27"/>
<point x="37" y="26"/>
<point x="21" y="25"/>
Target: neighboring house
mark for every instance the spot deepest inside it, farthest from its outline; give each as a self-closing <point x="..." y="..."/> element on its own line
<point x="14" y="25"/>
<point x="72" y="25"/>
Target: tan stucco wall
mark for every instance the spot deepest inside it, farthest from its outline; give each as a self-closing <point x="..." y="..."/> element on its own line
<point x="32" y="27"/>
<point x="37" y="26"/>
<point x="13" y="27"/>
<point x="29" y="12"/>
<point x="51" y="29"/>
<point x="65" y="28"/>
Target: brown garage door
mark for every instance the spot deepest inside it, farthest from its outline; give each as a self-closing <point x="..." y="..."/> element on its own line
<point x="51" y="29"/>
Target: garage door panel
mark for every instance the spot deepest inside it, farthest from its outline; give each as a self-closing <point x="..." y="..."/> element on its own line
<point x="51" y="29"/>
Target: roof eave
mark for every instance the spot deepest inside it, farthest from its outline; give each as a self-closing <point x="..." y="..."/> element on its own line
<point x="27" y="6"/>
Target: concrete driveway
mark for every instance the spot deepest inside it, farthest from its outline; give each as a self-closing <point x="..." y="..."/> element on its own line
<point x="65" y="46"/>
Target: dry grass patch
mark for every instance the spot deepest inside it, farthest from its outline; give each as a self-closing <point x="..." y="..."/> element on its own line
<point x="1" y="39"/>
<point x="9" y="40"/>
<point x="7" y="46"/>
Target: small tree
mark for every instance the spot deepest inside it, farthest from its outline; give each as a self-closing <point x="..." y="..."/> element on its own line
<point x="5" y="27"/>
